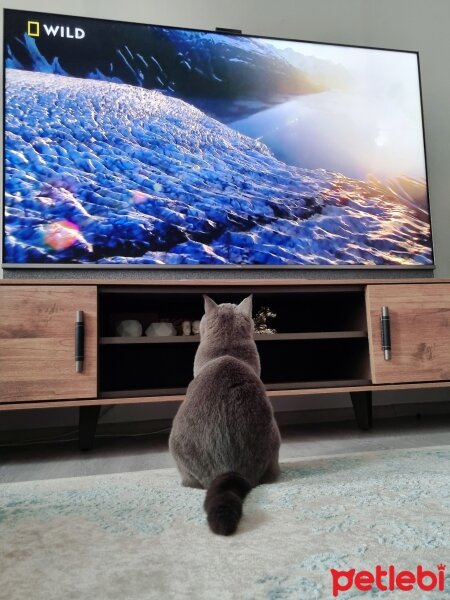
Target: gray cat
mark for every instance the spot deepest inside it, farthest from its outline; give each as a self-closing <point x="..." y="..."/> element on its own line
<point x="224" y="436"/>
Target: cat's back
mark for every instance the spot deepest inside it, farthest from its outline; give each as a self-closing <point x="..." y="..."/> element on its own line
<point x="227" y="373"/>
<point x="227" y="389"/>
<point x="227" y="422"/>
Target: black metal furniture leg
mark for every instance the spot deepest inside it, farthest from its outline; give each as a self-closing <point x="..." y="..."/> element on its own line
<point x="362" y="407"/>
<point x="87" y="426"/>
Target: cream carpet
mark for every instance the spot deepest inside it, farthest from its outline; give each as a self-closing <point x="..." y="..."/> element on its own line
<point x="140" y="535"/>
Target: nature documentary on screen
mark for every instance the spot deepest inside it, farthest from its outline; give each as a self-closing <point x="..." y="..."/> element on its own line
<point x="129" y="144"/>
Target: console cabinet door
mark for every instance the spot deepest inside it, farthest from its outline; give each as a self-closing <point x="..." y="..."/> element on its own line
<point x="420" y="332"/>
<point x="37" y="342"/>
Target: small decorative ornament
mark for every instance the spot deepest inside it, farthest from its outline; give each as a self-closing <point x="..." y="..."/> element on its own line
<point x="186" y="327"/>
<point x="160" y="329"/>
<point x="129" y="328"/>
<point x="260" y="320"/>
<point x="195" y="327"/>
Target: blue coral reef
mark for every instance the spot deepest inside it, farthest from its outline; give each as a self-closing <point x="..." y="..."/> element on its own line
<point x="99" y="171"/>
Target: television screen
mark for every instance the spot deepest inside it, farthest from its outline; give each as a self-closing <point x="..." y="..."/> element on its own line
<point x="131" y="144"/>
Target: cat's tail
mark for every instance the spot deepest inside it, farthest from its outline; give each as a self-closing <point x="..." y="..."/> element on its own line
<point x="223" y="502"/>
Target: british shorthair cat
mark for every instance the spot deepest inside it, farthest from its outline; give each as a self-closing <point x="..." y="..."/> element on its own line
<point x="224" y="436"/>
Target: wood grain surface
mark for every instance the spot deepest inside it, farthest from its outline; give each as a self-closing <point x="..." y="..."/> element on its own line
<point x="420" y="332"/>
<point x="37" y="343"/>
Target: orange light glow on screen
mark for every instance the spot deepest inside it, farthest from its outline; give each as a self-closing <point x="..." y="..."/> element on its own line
<point x="61" y="235"/>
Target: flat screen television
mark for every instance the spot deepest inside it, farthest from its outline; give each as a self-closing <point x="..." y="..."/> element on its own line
<point x="140" y="145"/>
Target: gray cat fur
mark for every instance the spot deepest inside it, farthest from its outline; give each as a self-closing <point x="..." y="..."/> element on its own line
<point x="226" y="421"/>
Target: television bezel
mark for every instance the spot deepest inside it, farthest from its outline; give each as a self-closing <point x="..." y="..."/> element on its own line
<point x="188" y="267"/>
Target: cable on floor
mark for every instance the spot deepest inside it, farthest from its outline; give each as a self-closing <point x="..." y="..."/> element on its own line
<point x="63" y="437"/>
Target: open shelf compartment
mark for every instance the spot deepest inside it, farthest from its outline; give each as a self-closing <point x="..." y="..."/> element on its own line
<point x="321" y="339"/>
<point x="306" y="311"/>
<point x="284" y="365"/>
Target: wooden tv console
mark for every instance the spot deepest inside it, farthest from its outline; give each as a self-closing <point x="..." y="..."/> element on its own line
<point x="328" y="340"/>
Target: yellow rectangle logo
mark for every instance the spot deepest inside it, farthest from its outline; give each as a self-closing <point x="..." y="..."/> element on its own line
<point x="33" y="28"/>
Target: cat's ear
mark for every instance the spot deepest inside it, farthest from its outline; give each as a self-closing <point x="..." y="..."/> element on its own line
<point x="245" y="307"/>
<point x="209" y="304"/>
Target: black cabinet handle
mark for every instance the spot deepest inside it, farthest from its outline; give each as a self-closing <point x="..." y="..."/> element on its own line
<point x="385" y="332"/>
<point x="79" y="341"/>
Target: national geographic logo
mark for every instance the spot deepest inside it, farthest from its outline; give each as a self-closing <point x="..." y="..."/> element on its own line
<point x="33" y="28"/>
<point x="71" y="33"/>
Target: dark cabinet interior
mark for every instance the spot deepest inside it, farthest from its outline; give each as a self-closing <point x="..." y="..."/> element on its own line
<point x="320" y="340"/>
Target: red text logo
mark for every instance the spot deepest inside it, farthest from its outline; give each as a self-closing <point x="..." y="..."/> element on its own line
<point x="388" y="579"/>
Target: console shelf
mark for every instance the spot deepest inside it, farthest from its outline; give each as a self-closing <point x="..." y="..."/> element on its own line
<point x="168" y="339"/>
<point x="328" y="340"/>
<point x="180" y="339"/>
<point x="274" y="387"/>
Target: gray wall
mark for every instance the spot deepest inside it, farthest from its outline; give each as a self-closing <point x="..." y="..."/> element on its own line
<point x="404" y="24"/>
